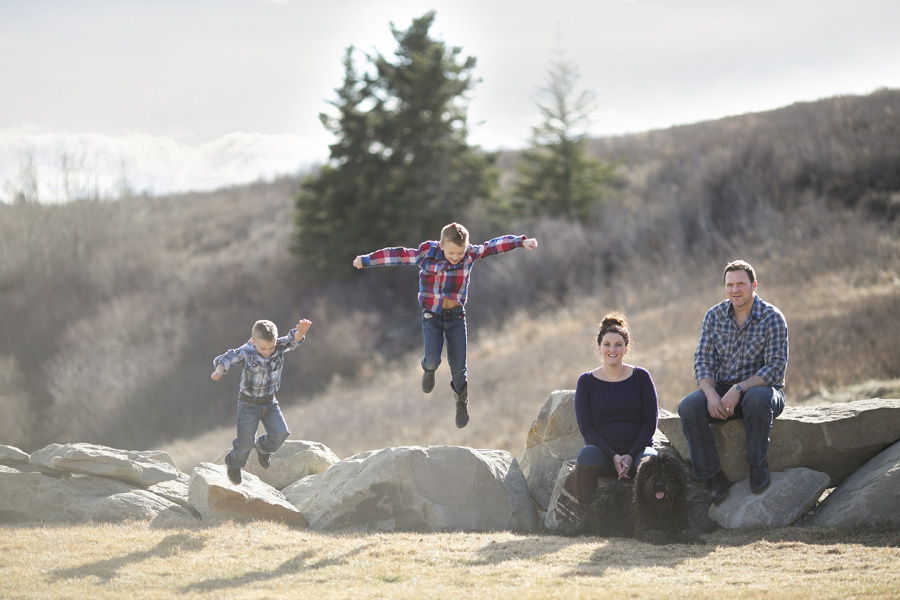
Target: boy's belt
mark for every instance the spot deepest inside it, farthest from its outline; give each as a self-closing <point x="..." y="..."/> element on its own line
<point x="445" y="314"/>
<point x="263" y="400"/>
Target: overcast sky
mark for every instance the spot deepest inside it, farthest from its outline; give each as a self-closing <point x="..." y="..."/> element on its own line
<point x="196" y="94"/>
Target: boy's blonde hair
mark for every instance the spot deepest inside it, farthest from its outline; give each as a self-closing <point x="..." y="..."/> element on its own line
<point x="455" y="234"/>
<point x="265" y="330"/>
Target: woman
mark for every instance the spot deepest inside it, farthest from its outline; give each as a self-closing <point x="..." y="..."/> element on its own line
<point x="617" y="412"/>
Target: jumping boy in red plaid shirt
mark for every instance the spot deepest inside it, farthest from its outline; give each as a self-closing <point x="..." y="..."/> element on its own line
<point x="444" y="270"/>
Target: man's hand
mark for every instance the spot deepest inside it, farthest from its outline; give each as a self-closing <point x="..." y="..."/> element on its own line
<point x="530" y="243"/>
<point x="217" y="374"/>
<point x="302" y="328"/>
<point x="729" y="401"/>
<point x="715" y="405"/>
<point x="357" y="262"/>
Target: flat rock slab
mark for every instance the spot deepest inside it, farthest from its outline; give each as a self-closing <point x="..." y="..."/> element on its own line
<point x="213" y="495"/>
<point x="790" y="496"/>
<point x="835" y="439"/>
<point x="140" y="468"/>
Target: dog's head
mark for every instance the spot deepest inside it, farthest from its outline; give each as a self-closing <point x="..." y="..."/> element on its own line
<point x="660" y="482"/>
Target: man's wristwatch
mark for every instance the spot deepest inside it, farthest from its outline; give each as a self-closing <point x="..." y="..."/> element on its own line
<point x="739" y="389"/>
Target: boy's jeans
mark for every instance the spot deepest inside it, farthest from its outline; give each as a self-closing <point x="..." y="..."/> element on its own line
<point x="249" y="416"/>
<point x="592" y="456"/>
<point x="452" y="325"/>
<point x="758" y="408"/>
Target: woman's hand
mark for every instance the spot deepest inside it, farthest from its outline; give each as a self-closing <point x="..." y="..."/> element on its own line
<point x="623" y="465"/>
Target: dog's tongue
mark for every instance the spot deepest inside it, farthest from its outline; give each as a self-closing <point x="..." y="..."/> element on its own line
<point x="660" y="495"/>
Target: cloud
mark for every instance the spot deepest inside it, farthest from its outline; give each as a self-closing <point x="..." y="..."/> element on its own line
<point x="100" y="165"/>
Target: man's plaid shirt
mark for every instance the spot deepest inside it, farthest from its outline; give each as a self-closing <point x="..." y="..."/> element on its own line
<point x="260" y="376"/>
<point x="438" y="279"/>
<point x="729" y="355"/>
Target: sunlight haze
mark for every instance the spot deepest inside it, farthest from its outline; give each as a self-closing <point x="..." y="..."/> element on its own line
<point x="171" y="96"/>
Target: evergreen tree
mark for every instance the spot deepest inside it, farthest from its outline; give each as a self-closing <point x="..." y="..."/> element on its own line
<point x="556" y="176"/>
<point x="401" y="167"/>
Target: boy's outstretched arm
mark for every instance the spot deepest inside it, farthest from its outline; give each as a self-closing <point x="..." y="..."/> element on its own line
<point x="302" y="328"/>
<point x="217" y="374"/>
<point x="530" y="243"/>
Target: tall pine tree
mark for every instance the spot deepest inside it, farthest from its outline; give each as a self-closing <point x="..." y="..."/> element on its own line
<point x="400" y="167"/>
<point x="556" y="176"/>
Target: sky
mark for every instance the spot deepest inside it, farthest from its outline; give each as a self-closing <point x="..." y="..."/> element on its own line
<point x="164" y="96"/>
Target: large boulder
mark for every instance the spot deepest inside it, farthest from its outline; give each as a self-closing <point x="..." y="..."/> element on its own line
<point x="33" y="496"/>
<point x="868" y="497"/>
<point x="213" y="495"/>
<point x="835" y="439"/>
<point x="553" y="439"/>
<point x="425" y="488"/>
<point x="140" y="468"/>
<point x="294" y="460"/>
<point x="790" y="496"/>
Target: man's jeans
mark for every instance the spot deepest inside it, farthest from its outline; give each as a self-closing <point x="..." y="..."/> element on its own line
<point x="758" y="408"/>
<point x="249" y="416"/>
<point x="592" y="456"/>
<point x="452" y="325"/>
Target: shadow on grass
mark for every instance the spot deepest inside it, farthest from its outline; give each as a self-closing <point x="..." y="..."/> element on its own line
<point x="618" y="553"/>
<point x="106" y="570"/>
<point x="624" y="554"/>
<point x="300" y="562"/>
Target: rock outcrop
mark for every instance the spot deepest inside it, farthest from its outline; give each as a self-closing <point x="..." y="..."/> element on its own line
<point x="294" y="460"/>
<point x="138" y="468"/>
<point x="423" y="488"/>
<point x="835" y="439"/>
<point x="854" y="446"/>
<point x="553" y="439"/>
<point x="216" y="498"/>
<point x="33" y="496"/>
<point x="871" y="496"/>
<point x="812" y="448"/>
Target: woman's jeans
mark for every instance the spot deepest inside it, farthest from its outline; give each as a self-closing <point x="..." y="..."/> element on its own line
<point x="249" y="416"/>
<point x="450" y="324"/>
<point x="758" y="408"/>
<point x="592" y="456"/>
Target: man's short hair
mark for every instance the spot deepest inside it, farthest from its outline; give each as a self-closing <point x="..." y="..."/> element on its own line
<point x="739" y="265"/>
<point x="455" y="234"/>
<point x="265" y="330"/>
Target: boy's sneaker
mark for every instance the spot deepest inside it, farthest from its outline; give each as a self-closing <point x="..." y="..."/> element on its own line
<point x="427" y="382"/>
<point x="234" y="475"/>
<point x="263" y="458"/>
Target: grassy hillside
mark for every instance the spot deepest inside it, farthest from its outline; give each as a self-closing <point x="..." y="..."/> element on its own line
<point x="111" y="313"/>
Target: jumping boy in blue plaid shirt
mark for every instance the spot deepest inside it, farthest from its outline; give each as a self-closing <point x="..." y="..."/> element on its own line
<point x="444" y="271"/>
<point x="262" y="358"/>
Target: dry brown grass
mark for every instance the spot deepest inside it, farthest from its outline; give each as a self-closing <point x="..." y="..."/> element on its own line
<point x="269" y="560"/>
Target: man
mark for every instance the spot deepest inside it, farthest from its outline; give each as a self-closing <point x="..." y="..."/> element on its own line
<point x="739" y="365"/>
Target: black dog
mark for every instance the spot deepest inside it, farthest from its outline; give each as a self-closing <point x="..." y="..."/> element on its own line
<point x="653" y="509"/>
